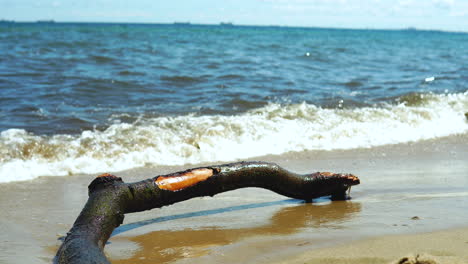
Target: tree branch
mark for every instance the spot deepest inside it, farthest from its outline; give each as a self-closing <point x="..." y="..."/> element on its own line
<point x="110" y="198"/>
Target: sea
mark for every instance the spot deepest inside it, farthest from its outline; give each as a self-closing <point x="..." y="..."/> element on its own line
<point x="87" y="97"/>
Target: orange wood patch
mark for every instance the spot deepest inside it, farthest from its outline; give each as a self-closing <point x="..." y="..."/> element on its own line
<point x="106" y="175"/>
<point x="350" y="177"/>
<point x="184" y="180"/>
<point x="353" y="178"/>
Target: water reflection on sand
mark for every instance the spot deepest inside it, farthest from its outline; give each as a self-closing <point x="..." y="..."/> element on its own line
<point x="170" y="245"/>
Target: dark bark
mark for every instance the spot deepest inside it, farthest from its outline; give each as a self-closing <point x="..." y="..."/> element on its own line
<point x="110" y="198"/>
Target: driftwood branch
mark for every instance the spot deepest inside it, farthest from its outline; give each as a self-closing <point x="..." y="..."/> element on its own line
<point x="110" y="198"/>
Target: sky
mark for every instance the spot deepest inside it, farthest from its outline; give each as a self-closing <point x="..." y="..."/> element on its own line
<point x="449" y="15"/>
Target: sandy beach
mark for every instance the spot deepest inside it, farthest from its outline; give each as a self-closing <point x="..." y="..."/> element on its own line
<point x="412" y="200"/>
<point x="436" y="247"/>
<point x="140" y="99"/>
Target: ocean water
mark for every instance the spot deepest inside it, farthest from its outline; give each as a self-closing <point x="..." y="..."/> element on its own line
<point x="88" y="98"/>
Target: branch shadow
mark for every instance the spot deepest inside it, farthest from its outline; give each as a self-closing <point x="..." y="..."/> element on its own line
<point x="127" y="227"/>
<point x="166" y="246"/>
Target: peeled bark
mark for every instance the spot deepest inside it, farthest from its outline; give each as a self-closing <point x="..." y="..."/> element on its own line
<point x="110" y="198"/>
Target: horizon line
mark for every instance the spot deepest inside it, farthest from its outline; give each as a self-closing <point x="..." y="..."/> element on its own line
<point x="224" y="24"/>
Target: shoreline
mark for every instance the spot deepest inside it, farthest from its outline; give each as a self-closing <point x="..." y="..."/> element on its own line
<point x="423" y="179"/>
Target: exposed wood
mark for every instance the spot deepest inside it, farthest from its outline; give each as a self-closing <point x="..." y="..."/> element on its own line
<point x="181" y="181"/>
<point x="110" y="198"/>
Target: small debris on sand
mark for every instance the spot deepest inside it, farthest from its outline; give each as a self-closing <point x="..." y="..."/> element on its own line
<point x="417" y="260"/>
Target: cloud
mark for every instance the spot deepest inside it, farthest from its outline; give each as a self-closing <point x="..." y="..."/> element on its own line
<point x="382" y="7"/>
<point x="341" y="8"/>
<point x="443" y="4"/>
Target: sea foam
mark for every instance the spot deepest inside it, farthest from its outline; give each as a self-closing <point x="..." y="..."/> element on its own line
<point x="191" y="139"/>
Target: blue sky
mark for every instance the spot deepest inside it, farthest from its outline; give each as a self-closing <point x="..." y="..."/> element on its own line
<point x="426" y="14"/>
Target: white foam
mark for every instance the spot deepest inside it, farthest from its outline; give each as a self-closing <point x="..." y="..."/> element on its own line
<point x="273" y="129"/>
<point x="429" y="79"/>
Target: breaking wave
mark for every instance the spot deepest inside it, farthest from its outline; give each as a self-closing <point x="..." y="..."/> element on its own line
<point x="191" y="139"/>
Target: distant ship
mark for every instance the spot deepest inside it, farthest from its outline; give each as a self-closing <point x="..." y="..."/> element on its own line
<point x="411" y="29"/>
<point x="45" y="21"/>
<point x="226" y="24"/>
<point x="182" y="23"/>
<point x="4" y="21"/>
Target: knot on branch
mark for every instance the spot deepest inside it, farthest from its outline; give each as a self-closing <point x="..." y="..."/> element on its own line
<point x="103" y="181"/>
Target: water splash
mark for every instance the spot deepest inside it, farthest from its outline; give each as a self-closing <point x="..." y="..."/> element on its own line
<point x="191" y="139"/>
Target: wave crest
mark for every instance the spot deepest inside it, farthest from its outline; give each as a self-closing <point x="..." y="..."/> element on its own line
<point x="189" y="139"/>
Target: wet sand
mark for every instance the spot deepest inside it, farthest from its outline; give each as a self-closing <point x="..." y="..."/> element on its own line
<point x="443" y="247"/>
<point x="409" y="192"/>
